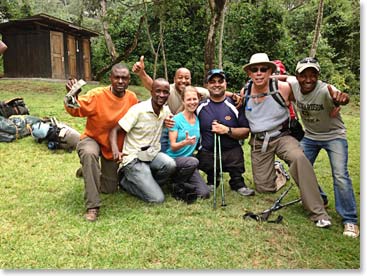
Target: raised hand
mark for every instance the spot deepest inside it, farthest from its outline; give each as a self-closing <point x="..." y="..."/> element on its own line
<point x="338" y="97"/>
<point x="139" y="66"/>
<point x="70" y="84"/>
<point x="190" y="140"/>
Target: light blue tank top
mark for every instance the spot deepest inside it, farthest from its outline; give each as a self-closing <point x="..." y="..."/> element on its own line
<point x="265" y="116"/>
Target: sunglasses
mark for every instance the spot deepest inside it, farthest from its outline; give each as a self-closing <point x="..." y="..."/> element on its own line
<point x="309" y="60"/>
<point x="256" y="69"/>
<point x="215" y="71"/>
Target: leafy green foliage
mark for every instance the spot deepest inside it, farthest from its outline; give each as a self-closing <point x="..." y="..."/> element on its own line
<point x="283" y="29"/>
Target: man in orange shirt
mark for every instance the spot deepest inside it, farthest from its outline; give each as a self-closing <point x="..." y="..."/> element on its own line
<point x="103" y="107"/>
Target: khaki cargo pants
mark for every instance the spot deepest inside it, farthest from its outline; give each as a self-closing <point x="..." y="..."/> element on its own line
<point x="288" y="149"/>
<point x="100" y="174"/>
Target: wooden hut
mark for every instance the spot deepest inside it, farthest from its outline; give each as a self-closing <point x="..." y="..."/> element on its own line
<point x="42" y="46"/>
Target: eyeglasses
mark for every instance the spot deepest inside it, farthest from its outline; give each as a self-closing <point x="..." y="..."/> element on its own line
<point x="309" y="60"/>
<point x="256" y="69"/>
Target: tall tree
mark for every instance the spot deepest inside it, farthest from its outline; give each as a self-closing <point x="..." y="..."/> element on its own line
<point x="216" y="10"/>
<point x="221" y="35"/>
<point x="317" y="29"/>
<point x="151" y="43"/>
<point x="110" y="45"/>
<point x="123" y="56"/>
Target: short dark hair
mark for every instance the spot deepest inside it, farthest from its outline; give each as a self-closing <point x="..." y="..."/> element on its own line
<point x="119" y="66"/>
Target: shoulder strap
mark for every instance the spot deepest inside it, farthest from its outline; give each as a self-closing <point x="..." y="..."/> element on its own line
<point x="247" y="92"/>
<point x="274" y="92"/>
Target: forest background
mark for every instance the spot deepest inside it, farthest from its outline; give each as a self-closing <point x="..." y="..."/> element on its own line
<point x="203" y="34"/>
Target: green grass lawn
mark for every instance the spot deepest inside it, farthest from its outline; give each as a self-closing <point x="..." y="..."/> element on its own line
<point x="42" y="207"/>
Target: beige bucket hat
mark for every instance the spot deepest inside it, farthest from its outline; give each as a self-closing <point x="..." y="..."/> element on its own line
<point x="260" y="58"/>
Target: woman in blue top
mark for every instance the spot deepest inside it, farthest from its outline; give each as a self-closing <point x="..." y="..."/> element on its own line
<point x="183" y="138"/>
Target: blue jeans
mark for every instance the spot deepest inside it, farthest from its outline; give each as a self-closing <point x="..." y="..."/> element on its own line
<point x="164" y="140"/>
<point x="144" y="179"/>
<point x="337" y="150"/>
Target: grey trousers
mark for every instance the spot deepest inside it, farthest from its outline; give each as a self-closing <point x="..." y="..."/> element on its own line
<point x="187" y="172"/>
<point x="100" y="174"/>
<point x="144" y="179"/>
<point x="288" y="149"/>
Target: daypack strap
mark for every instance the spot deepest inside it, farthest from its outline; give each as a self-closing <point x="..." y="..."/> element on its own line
<point x="274" y="92"/>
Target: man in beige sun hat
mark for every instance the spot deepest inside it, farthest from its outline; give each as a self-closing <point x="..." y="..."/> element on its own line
<point x="270" y="136"/>
<point x="260" y="58"/>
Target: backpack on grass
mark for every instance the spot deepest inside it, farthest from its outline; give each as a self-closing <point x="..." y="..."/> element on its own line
<point x="15" y="106"/>
<point x="16" y="127"/>
<point x="57" y="135"/>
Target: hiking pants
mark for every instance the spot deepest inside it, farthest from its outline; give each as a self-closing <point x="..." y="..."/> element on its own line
<point x="233" y="162"/>
<point x="187" y="172"/>
<point x="288" y="149"/>
<point x="98" y="178"/>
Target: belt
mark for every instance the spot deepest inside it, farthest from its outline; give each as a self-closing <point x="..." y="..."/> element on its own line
<point x="267" y="136"/>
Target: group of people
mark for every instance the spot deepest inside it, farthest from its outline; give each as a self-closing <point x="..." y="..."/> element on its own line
<point x="168" y="138"/>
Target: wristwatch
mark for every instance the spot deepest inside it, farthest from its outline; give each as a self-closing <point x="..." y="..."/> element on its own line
<point x="229" y="132"/>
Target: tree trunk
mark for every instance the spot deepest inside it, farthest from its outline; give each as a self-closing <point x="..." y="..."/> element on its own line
<point x="110" y="45"/>
<point x="216" y="10"/>
<point x="317" y="29"/>
<point x="161" y="37"/>
<point x="154" y="51"/>
<point x="125" y="55"/>
<point x="221" y="34"/>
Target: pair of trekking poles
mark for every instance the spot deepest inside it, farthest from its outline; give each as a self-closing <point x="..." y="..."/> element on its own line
<point x="218" y="151"/>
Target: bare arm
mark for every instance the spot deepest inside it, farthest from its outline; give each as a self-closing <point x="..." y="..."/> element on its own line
<point x="3" y="47"/>
<point x="234" y="132"/>
<point x="117" y="155"/>
<point x="139" y="69"/>
<point x="286" y="91"/>
<point x="175" y="146"/>
<point x="338" y="97"/>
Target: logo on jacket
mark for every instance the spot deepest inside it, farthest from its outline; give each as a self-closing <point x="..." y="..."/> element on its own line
<point x="228" y="118"/>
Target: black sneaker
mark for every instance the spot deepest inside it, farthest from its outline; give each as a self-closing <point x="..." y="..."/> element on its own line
<point x="325" y="201"/>
<point x="79" y="173"/>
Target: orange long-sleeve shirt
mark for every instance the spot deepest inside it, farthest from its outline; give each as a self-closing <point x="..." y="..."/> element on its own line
<point x="103" y="110"/>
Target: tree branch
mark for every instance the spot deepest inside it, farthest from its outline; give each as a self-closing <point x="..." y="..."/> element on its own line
<point x="125" y="55"/>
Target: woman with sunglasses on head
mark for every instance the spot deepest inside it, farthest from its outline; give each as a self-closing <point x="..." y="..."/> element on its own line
<point x="183" y="139"/>
<point x="271" y="137"/>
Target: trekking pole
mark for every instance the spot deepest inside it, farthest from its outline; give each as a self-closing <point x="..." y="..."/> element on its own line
<point x="221" y="172"/>
<point x="215" y="173"/>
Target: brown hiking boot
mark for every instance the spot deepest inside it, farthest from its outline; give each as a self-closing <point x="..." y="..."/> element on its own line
<point x="91" y="214"/>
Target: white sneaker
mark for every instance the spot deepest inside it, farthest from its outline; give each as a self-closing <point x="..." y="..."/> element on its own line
<point x="351" y="230"/>
<point x="211" y="188"/>
<point x="246" y="191"/>
<point x="323" y="223"/>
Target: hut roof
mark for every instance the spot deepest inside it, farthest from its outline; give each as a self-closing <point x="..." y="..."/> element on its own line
<point x="50" y="21"/>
